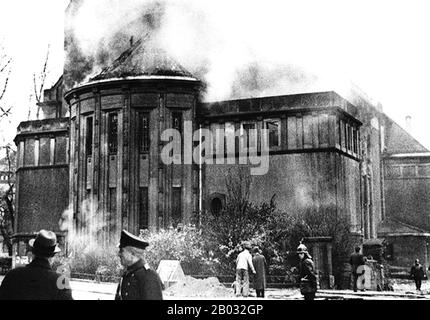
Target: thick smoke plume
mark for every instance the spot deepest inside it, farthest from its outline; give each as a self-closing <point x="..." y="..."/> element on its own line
<point x="191" y="32"/>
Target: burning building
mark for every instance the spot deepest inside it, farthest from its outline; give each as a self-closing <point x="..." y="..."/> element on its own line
<point x="97" y="156"/>
<point x="116" y="122"/>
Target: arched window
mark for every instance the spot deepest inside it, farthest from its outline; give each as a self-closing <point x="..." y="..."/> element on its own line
<point x="216" y="206"/>
<point x="216" y="203"/>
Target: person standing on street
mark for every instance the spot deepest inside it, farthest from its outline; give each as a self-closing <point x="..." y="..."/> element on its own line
<point x="37" y="280"/>
<point x="307" y="276"/>
<point x="417" y="274"/>
<point x="138" y="282"/>
<point x="243" y="262"/>
<point x="260" y="265"/>
<point x="356" y="260"/>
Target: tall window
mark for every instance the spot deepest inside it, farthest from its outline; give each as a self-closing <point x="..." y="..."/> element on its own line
<point x="273" y="128"/>
<point x="143" y="132"/>
<point x="355" y="140"/>
<point x="113" y="133"/>
<point x="112" y="200"/>
<point x="177" y="121"/>
<point x="176" y="205"/>
<point x="177" y="124"/>
<point x="89" y="136"/>
<point x="229" y="138"/>
<point x="249" y="133"/>
<point x="143" y="208"/>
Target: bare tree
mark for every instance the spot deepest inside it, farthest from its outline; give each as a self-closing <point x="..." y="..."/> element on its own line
<point x="7" y="203"/>
<point x="40" y="84"/>
<point x="5" y="70"/>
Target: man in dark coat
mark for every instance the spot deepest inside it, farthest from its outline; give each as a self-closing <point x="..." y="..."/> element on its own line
<point x="138" y="282"/>
<point x="417" y="273"/>
<point x="37" y="280"/>
<point x="259" y="262"/>
<point x="356" y="260"/>
<point x="307" y="276"/>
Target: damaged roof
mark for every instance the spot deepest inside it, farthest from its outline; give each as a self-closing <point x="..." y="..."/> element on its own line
<point x="142" y="58"/>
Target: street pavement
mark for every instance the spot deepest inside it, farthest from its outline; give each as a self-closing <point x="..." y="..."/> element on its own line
<point x="92" y="290"/>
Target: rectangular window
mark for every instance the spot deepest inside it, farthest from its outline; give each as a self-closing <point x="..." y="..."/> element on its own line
<point x="143" y="131"/>
<point x="424" y="170"/>
<point x="341" y="134"/>
<point x="307" y="131"/>
<point x="408" y="171"/>
<point x="229" y="141"/>
<point x="143" y="208"/>
<point x="89" y="136"/>
<point x="248" y="135"/>
<point x="44" y="153"/>
<point x="349" y="128"/>
<point x="324" y="123"/>
<point x="176" y="205"/>
<point x="292" y="133"/>
<point x="177" y="124"/>
<point x="393" y="172"/>
<point x="112" y="200"/>
<point x="60" y="150"/>
<point x="355" y="140"/>
<point x="345" y="130"/>
<point x="215" y="127"/>
<point x="29" y="152"/>
<point x="177" y="121"/>
<point x="274" y="130"/>
<point x="113" y="133"/>
<point x="299" y="128"/>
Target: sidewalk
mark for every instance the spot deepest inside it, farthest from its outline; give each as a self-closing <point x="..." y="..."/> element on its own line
<point x="91" y="290"/>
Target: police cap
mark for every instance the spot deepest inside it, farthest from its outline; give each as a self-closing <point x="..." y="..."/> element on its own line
<point x="130" y="240"/>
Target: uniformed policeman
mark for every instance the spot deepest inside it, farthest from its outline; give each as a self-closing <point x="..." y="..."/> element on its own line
<point x="138" y="282"/>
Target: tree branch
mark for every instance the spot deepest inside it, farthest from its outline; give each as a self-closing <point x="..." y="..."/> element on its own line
<point x="38" y="90"/>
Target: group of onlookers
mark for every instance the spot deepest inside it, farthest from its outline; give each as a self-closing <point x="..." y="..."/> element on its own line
<point x="255" y="262"/>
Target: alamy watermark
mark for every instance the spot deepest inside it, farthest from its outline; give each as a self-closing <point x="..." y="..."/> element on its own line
<point x="219" y="146"/>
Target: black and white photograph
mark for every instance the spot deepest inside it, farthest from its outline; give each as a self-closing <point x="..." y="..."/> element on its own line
<point x="234" y="153"/>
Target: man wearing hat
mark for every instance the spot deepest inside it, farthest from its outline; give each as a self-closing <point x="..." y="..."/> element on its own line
<point x="37" y="280"/>
<point x="138" y="282"/>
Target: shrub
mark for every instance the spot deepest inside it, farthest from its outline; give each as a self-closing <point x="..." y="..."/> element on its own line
<point x="186" y="245"/>
<point x="91" y="261"/>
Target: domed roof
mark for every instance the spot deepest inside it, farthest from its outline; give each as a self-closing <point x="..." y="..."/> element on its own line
<point x="143" y="58"/>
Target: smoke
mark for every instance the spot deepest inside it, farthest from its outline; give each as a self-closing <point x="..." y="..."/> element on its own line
<point x="97" y="229"/>
<point x="259" y="79"/>
<point x="222" y="44"/>
<point x="97" y="32"/>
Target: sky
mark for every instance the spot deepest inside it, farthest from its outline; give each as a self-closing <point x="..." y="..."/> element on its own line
<point x="381" y="46"/>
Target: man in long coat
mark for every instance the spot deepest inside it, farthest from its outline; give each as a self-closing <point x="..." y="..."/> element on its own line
<point x="260" y="265"/>
<point x="138" y="282"/>
<point x="37" y="280"/>
<point x="307" y="274"/>
<point x="356" y="260"/>
<point x="417" y="274"/>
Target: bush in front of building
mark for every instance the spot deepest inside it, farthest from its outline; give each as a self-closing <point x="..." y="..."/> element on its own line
<point x="286" y="231"/>
<point x="186" y="245"/>
<point x="90" y="261"/>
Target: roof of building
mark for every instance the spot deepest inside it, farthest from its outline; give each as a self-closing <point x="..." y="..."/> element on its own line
<point x="392" y="226"/>
<point x="143" y="58"/>
<point x="398" y="140"/>
<point x="277" y="103"/>
<point x="410" y="155"/>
